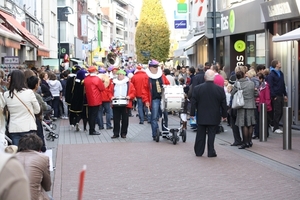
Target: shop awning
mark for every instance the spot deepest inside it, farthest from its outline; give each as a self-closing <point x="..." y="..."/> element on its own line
<point x="178" y="52"/>
<point x="79" y="62"/>
<point x="187" y="45"/>
<point x="23" y="32"/>
<point x="9" y="38"/>
<point x="190" y="43"/>
<point x="292" y="35"/>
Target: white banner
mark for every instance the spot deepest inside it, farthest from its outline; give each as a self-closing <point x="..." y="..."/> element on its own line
<point x="199" y="10"/>
<point x="84" y="25"/>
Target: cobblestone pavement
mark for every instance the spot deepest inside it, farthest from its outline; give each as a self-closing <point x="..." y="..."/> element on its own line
<point x="139" y="168"/>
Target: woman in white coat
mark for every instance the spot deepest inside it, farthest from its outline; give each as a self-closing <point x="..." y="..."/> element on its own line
<point x="22" y="106"/>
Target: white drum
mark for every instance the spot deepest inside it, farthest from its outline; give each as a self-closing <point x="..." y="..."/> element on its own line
<point x="173" y="98"/>
<point x="120" y="101"/>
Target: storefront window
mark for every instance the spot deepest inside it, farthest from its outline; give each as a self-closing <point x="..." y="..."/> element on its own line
<point x="251" y="49"/>
<point x="260" y="48"/>
<point x="256" y="49"/>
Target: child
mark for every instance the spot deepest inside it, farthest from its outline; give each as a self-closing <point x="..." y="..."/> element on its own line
<point x="228" y="96"/>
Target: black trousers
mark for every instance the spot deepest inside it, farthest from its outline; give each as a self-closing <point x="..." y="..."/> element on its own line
<point x="93" y="112"/>
<point x="200" y="140"/>
<point x="121" y="115"/>
<point x="277" y="111"/>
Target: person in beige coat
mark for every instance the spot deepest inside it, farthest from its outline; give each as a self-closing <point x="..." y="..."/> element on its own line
<point x="36" y="166"/>
<point x="14" y="182"/>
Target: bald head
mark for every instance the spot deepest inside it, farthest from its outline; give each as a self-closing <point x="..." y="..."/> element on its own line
<point x="209" y="75"/>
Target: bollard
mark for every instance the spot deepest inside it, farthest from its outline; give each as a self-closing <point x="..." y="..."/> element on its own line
<point x="287" y="128"/>
<point x="263" y="123"/>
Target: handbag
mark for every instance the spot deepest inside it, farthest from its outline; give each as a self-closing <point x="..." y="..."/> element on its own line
<point x="238" y="98"/>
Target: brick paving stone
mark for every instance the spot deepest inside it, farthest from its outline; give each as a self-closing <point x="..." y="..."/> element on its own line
<point x="139" y="168"/>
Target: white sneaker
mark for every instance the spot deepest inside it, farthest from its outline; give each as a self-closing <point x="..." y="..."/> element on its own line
<point x="278" y="131"/>
<point x="72" y="127"/>
<point x="77" y="127"/>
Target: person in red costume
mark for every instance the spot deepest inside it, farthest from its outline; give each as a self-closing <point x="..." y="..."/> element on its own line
<point x="152" y="93"/>
<point x="93" y="87"/>
<point x="122" y="89"/>
<point x="138" y="80"/>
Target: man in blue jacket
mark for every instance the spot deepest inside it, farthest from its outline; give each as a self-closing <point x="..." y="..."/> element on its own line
<point x="278" y="93"/>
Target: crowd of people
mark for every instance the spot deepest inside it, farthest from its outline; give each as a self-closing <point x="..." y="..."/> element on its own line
<point x="87" y="94"/>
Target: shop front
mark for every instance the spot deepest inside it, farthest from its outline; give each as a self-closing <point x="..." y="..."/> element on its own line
<point x="282" y="22"/>
<point x="242" y="37"/>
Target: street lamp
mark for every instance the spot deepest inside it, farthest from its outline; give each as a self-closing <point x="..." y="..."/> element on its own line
<point x="62" y="15"/>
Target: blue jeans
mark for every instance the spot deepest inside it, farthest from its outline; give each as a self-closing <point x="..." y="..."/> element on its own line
<point x="155" y="109"/>
<point x="15" y="137"/>
<point x="105" y="106"/>
<point x="141" y="109"/>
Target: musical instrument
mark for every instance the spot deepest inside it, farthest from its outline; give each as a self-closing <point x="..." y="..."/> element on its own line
<point x="105" y="78"/>
<point x="172" y="98"/>
<point x="113" y="60"/>
<point x="120" y="101"/>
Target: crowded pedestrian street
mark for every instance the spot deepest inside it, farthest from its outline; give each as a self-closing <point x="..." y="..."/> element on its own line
<point x="139" y="168"/>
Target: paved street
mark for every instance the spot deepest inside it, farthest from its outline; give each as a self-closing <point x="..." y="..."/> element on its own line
<point x="139" y="168"/>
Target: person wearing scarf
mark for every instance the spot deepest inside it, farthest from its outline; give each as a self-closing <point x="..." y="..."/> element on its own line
<point x="123" y="88"/>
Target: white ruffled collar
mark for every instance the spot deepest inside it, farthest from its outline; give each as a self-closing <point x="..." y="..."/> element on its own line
<point x="119" y="82"/>
<point x="154" y="76"/>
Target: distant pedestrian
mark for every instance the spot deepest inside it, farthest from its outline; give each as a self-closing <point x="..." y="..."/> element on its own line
<point x="152" y="94"/>
<point x="123" y="90"/>
<point x="93" y="87"/>
<point x="278" y="93"/>
<point x="208" y="99"/>
<point x="138" y="80"/>
<point x="22" y="106"/>
<point x="246" y="115"/>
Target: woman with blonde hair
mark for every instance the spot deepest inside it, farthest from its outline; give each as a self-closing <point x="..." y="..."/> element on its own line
<point x="246" y="115"/>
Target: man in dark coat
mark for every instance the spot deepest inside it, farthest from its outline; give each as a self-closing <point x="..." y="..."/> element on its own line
<point x="208" y="99"/>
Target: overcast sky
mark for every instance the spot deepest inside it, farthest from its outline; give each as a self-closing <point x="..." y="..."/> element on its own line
<point x="166" y="5"/>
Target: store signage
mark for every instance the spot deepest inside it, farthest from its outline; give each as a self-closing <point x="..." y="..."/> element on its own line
<point x="11" y="60"/>
<point x="228" y="22"/>
<point x="230" y="25"/>
<point x="279" y="9"/>
<point x="238" y="48"/>
<point x="181" y="6"/>
<point x="64" y="49"/>
<point x="180" y="24"/>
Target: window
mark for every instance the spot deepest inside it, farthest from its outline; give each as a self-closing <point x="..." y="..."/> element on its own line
<point x="260" y="48"/>
<point x="250" y="54"/>
<point x="53" y="21"/>
<point x="256" y="48"/>
<point x="61" y="2"/>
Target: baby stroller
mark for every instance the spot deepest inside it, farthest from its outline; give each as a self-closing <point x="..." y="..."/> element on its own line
<point x="173" y="100"/>
<point x="49" y="126"/>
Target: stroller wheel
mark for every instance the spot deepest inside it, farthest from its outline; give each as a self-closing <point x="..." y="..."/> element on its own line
<point x="174" y="138"/>
<point x="48" y="136"/>
<point x="54" y="126"/>
<point x="56" y="136"/>
<point x="183" y="135"/>
<point x="157" y="135"/>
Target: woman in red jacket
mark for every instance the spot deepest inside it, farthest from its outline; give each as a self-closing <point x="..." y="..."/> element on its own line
<point x="123" y="93"/>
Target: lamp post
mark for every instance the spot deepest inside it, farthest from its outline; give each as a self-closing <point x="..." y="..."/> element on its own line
<point x="62" y="14"/>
